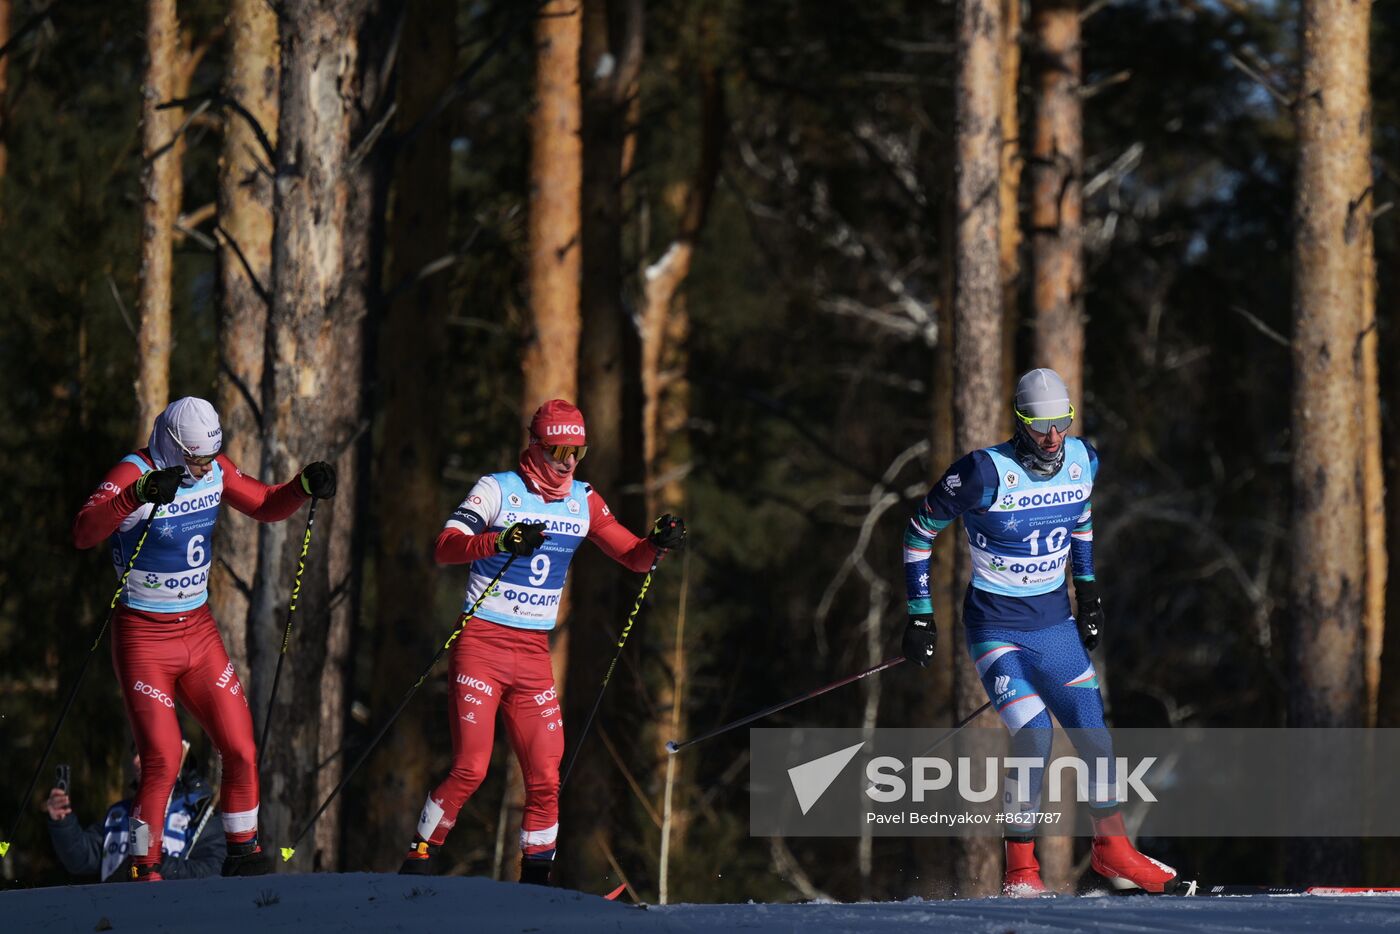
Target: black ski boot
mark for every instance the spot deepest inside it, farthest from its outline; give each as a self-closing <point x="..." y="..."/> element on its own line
<point x="246" y="859"/>
<point x="536" y="871"/>
<point x="420" y="861"/>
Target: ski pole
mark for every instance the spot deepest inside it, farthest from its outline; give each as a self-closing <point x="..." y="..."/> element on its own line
<point x="621" y="641"/>
<point x="73" y="693"/>
<point x="957" y="728"/>
<point x="674" y="747"/>
<point x="287" y="635"/>
<point x="289" y="851"/>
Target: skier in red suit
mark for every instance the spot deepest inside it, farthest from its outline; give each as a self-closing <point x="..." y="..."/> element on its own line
<point x="166" y="646"/>
<point x="539" y="514"/>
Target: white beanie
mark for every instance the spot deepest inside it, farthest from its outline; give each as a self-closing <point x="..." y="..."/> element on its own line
<point x="187" y="427"/>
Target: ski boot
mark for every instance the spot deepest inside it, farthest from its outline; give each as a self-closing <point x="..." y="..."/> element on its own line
<point x="136" y="872"/>
<point x="1116" y="859"/>
<point x="536" y="870"/>
<point x="420" y="861"/>
<point x="1022" y="879"/>
<point x="246" y="859"/>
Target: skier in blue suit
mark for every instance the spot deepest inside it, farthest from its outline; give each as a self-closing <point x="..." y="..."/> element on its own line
<point x="1025" y="507"/>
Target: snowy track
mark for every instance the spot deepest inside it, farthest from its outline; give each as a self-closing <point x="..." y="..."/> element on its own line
<point x="312" y="904"/>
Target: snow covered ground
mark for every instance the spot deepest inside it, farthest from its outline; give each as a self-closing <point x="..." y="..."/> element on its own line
<point x="312" y="904"/>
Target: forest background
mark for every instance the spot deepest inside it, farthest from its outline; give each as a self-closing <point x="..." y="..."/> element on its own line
<point x="788" y="257"/>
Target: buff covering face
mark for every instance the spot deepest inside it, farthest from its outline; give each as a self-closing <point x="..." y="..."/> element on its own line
<point x="556" y="426"/>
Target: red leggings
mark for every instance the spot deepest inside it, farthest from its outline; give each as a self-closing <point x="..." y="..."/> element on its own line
<point x="500" y="667"/>
<point x="164" y="657"/>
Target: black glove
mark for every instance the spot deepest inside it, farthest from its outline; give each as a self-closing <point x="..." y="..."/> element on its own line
<point x="920" y="639"/>
<point x="318" y="480"/>
<point x="521" y="538"/>
<point x="1090" y="617"/>
<point x="668" y="532"/>
<point x="159" y="486"/>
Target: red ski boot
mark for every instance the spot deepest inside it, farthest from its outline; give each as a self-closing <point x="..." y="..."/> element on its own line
<point x="1115" y="858"/>
<point x="1022" y="879"/>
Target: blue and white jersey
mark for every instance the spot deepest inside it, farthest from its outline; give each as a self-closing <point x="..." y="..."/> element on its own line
<point x="1023" y="531"/>
<point x="181" y="821"/>
<point x="171" y="574"/>
<point x="527" y="596"/>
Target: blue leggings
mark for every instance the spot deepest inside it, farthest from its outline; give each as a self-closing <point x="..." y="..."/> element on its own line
<point x="1030" y="674"/>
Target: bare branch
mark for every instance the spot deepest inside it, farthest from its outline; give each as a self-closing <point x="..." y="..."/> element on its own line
<point x="121" y="306"/>
<point x="1263" y="328"/>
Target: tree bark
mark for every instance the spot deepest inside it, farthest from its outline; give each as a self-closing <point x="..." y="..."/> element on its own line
<point x="161" y="192"/>
<point x="979" y="407"/>
<point x="312" y="380"/>
<point x="610" y="60"/>
<point x="409" y="460"/>
<point x="1057" y="258"/>
<point x="665" y="333"/>
<point x="1332" y="214"/>
<point x="1012" y="162"/>
<point x="1057" y="159"/>
<point x="550" y="361"/>
<point x="1373" y="471"/>
<point x="245" y="225"/>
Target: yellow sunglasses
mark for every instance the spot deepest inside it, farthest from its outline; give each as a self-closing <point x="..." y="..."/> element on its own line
<point x="1043" y="424"/>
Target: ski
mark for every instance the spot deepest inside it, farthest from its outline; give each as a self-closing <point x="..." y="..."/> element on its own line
<point x="1296" y="890"/>
<point x="612" y="896"/>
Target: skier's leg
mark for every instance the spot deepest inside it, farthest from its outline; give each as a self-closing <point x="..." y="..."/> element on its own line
<point x="477" y="683"/>
<point x="535" y="726"/>
<point x="147" y="657"/>
<point x="1066" y="678"/>
<point x="1001" y="658"/>
<point x="212" y="691"/>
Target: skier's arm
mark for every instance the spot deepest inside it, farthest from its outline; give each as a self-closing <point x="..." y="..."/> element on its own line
<point x="633" y="553"/>
<point x="971" y="483"/>
<point x="113" y="500"/>
<point x="79" y="849"/>
<point x="1081" y="545"/>
<point x="252" y="497"/>
<point x="461" y="540"/>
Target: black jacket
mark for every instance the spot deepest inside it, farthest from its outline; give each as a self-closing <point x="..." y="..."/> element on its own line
<point x="81" y="850"/>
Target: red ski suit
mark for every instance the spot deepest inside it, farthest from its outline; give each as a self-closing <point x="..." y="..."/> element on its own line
<point x="161" y="657"/>
<point x="499" y="665"/>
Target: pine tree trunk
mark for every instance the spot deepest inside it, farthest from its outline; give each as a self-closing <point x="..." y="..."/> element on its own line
<point x="1332" y="214"/>
<point x="409" y="459"/>
<point x="1057" y="259"/>
<point x="1377" y="557"/>
<point x="550" y="361"/>
<point x="313" y="382"/>
<point x="979" y="406"/>
<point x="245" y="225"/>
<point x="665" y="333"/>
<point x="1057" y="159"/>
<point x="161" y="191"/>
<point x="1011" y="165"/>
<point x="609" y="73"/>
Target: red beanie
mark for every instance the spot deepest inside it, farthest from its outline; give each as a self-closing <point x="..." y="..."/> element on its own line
<point x="558" y="422"/>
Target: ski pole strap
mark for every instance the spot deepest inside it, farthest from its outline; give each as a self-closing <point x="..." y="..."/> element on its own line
<point x="674" y="747"/>
<point x="77" y="682"/>
<point x="289" y="851"/>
